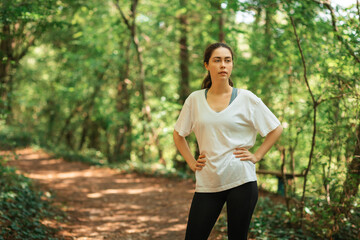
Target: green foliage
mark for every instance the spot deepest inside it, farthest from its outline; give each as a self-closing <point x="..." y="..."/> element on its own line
<point x="23" y="208"/>
<point x="11" y="138"/>
<point x="272" y="221"/>
<point x="17" y="10"/>
<point x="151" y="169"/>
<point x="321" y="217"/>
<point x="78" y="87"/>
<point x="89" y="156"/>
<point x="269" y="221"/>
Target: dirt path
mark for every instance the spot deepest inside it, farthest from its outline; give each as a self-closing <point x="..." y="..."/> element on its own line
<point x="102" y="203"/>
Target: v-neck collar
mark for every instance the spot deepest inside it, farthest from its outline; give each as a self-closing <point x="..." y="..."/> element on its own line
<point x="225" y="109"/>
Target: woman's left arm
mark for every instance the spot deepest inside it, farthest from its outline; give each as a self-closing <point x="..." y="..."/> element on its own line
<point x="270" y="139"/>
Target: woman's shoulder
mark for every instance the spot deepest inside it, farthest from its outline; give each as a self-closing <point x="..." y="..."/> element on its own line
<point x="250" y="96"/>
<point x="197" y="92"/>
<point x="195" y="95"/>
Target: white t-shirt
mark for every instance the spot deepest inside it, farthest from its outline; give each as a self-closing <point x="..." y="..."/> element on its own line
<point x="219" y="133"/>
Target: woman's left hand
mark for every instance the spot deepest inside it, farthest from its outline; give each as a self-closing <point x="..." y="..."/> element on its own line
<point x="245" y="155"/>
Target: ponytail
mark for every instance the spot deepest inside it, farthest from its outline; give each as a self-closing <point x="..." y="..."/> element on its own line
<point x="206" y="82"/>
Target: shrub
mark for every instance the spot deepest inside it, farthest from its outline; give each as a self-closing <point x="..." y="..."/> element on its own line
<point x="11" y="138"/>
<point x="22" y="208"/>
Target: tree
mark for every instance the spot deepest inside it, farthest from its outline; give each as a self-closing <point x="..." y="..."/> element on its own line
<point x="22" y="22"/>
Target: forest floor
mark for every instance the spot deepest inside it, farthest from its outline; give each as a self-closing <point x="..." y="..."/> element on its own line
<point x="104" y="203"/>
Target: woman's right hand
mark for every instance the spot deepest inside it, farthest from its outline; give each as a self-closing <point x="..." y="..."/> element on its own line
<point x="199" y="163"/>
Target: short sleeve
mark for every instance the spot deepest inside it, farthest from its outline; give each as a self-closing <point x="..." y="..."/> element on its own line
<point x="183" y="124"/>
<point x="263" y="119"/>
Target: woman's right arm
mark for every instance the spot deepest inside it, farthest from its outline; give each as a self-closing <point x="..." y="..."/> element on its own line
<point x="184" y="149"/>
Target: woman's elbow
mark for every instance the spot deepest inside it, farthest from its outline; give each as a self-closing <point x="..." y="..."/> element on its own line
<point x="177" y="138"/>
<point x="176" y="135"/>
<point x="276" y="132"/>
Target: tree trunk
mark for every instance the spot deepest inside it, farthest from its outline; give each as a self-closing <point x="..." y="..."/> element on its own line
<point x="94" y="135"/>
<point x="146" y="110"/>
<point x="51" y="112"/>
<point x="351" y="183"/>
<point x="90" y="106"/>
<point x="184" y="87"/>
<point x="5" y="66"/>
<point x="221" y="23"/>
<point x="9" y="114"/>
<point x="334" y="144"/>
<point x="63" y="131"/>
<point x="13" y="48"/>
<point x="122" y="147"/>
<point x="268" y="33"/>
<point x="85" y="127"/>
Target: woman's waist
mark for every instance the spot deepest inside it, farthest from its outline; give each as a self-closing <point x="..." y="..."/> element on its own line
<point x="215" y="157"/>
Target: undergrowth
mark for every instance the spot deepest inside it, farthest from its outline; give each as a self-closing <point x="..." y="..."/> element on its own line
<point x="269" y="221"/>
<point x="273" y="221"/>
<point x="96" y="158"/>
<point x="10" y="138"/>
<point x="23" y="208"/>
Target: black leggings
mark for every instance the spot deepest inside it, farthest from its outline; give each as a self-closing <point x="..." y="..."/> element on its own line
<point x="206" y="208"/>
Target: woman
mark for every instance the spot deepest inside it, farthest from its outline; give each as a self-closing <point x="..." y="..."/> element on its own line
<point x="225" y="121"/>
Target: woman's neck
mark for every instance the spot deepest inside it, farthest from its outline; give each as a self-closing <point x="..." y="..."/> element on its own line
<point x="220" y="87"/>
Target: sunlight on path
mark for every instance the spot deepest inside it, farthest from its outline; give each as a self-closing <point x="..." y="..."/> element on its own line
<point x="102" y="203"/>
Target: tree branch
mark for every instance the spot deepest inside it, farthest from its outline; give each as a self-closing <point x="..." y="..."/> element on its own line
<point x="26" y="48"/>
<point x="303" y="60"/>
<point x="116" y="3"/>
<point x="330" y="98"/>
<point x="315" y="104"/>
<point x="335" y="28"/>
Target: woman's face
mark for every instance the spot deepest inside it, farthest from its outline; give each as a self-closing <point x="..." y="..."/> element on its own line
<point x="220" y="64"/>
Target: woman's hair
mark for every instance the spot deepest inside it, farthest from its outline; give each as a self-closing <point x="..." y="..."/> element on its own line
<point x="208" y="52"/>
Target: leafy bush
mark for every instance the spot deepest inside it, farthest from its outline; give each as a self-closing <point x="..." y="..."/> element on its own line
<point x="88" y="156"/>
<point x="11" y="138"/>
<point x="22" y="208"/>
<point x="91" y="157"/>
<point x="330" y="221"/>
<point x="269" y="221"/>
<point x="272" y="221"/>
<point x="152" y="169"/>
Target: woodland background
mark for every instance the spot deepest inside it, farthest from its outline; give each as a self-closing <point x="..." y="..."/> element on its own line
<point x="103" y="82"/>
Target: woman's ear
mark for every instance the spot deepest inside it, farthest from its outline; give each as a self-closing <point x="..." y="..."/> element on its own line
<point x="206" y="66"/>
